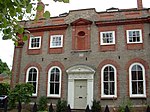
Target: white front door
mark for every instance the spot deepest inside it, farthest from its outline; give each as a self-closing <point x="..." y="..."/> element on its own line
<point x="80" y="94"/>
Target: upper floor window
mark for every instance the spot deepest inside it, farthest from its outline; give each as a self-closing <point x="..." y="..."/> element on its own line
<point x="56" y="41"/>
<point x="54" y="82"/>
<point x="35" y="42"/>
<point x="134" y="36"/>
<point x="108" y="81"/>
<point x="32" y="78"/>
<point x="137" y="80"/>
<point x="107" y="38"/>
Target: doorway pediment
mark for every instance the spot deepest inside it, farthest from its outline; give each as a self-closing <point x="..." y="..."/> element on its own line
<point x="80" y="69"/>
<point x="81" y="21"/>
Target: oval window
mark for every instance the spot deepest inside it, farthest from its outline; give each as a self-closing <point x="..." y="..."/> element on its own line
<point x="81" y="33"/>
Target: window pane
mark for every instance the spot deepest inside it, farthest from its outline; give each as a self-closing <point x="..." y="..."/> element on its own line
<point x="51" y="88"/>
<point x="52" y="77"/>
<point x="134" y="87"/>
<point x="140" y="75"/>
<point x="139" y="68"/>
<point x="112" y="88"/>
<point x="30" y="77"/>
<point x="105" y="88"/>
<point x="111" y="68"/>
<point x="105" y="76"/>
<point x="134" y="75"/>
<point x="112" y="76"/>
<point x="106" y="69"/>
<point x="133" y="68"/>
<point x="140" y="87"/>
<point x="57" y="88"/>
<point x="57" y="77"/>
<point x="34" y="87"/>
<point x="34" y="77"/>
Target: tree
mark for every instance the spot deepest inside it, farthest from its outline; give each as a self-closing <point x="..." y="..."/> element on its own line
<point x="4" y="68"/>
<point x="20" y="93"/>
<point x="13" y="11"/>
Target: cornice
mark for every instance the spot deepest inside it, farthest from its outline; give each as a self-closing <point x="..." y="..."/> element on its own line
<point x="46" y="28"/>
<point x="123" y="21"/>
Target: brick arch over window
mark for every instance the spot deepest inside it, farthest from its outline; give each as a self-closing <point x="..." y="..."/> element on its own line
<point x="60" y="65"/>
<point x="33" y="64"/>
<point x="101" y="65"/>
<point x="146" y="66"/>
<point x="137" y="60"/>
<point x="108" y="61"/>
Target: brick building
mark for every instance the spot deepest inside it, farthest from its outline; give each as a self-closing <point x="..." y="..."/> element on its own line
<point x="85" y="55"/>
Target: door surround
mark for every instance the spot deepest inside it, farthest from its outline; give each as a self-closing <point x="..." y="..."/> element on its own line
<point x="80" y="72"/>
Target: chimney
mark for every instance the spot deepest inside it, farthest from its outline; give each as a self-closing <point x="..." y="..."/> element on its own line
<point x="39" y="13"/>
<point x="139" y="4"/>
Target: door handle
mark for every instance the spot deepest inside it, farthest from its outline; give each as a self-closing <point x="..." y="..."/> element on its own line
<point x="80" y="97"/>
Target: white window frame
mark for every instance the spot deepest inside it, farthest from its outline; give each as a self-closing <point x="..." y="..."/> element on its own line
<point x="48" y="89"/>
<point x="102" y="80"/>
<point x="130" y="82"/>
<point x="51" y="41"/>
<point x="140" y="31"/>
<point x="27" y="76"/>
<point x="101" y="38"/>
<point x="31" y="43"/>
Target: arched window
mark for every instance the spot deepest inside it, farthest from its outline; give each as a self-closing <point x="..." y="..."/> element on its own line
<point x="32" y="78"/>
<point x="108" y="81"/>
<point x="54" y="82"/>
<point x="137" y="80"/>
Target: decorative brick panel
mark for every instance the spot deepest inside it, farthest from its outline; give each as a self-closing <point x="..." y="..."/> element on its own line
<point x="81" y="42"/>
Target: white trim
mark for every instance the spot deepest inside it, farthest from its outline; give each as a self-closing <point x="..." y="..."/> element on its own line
<point x="101" y="38"/>
<point x="27" y="76"/>
<point x="48" y="83"/>
<point x="80" y="72"/>
<point x="102" y="85"/>
<point x="51" y="40"/>
<point x="140" y="31"/>
<point x="31" y="40"/>
<point x="144" y="83"/>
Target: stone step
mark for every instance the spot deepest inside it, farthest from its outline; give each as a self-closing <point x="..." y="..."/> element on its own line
<point x="78" y="110"/>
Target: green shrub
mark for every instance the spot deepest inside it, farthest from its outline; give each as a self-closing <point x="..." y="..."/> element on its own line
<point x="4" y="89"/>
<point x="20" y="93"/>
<point x="124" y="104"/>
<point x="42" y="103"/>
<point x="96" y="107"/>
<point x="61" y="106"/>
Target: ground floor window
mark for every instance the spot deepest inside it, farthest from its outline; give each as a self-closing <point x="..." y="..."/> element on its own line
<point x="137" y="80"/>
<point x="54" y="82"/>
<point x="32" y="78"/>
<point x="108" y="81"/>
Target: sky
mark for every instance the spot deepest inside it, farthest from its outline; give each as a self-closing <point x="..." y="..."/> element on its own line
<point x="56" y="8"/>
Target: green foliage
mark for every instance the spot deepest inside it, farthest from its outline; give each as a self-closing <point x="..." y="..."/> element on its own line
<point x="61" y="106"/>
<point x="96" y="107"/>
<point x="20" y="93"/>
<point x="42" y="103"/>
<point x="124" y="104"/>
<point x="4" y="68"/>
<point x="13" y="11"/>
<point x="4" y="89"/>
